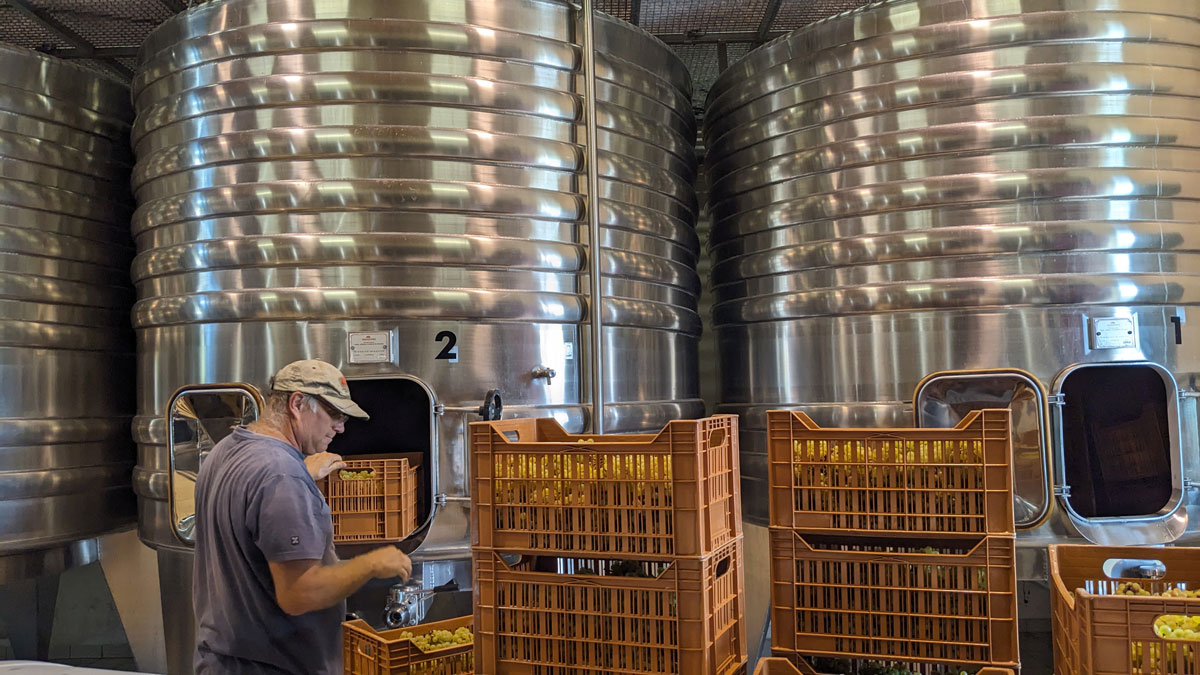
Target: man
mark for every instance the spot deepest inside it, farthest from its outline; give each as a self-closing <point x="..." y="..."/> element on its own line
<point x="269" y="591"/>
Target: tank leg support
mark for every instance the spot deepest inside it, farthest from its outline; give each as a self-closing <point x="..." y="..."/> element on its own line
<point x="27" y="609"/>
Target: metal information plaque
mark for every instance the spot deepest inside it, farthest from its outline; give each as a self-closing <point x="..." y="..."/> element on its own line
<point x="371" y="347"/>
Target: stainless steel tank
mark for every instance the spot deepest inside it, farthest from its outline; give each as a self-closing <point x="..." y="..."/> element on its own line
<point x="925" y="206"/>
<point x="399" y="189"/>
<point x="66" y="347"/>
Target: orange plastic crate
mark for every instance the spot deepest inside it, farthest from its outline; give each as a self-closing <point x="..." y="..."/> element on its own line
<point x="370" y="652"/>
<point x="775" y="666"/>
<point x="378" y="509"/>
<point x="885" y="602"/>
<point x="1097" y="632"/>
<point x="537" y="489"/>
<point x="891" y="482"/>
<point x="689" y="619"/>
<point x="782" y="666"/>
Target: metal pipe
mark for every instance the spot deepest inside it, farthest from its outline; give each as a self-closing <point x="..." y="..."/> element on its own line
<point x="596" y="303"/>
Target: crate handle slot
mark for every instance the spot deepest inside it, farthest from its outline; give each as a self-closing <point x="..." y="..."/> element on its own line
<point x="1132" y="568"/>
<point x="512" y="435"/>
<point x="367" y="650"/>
<point x="1194" y="639"/>
<point x="716" y="438"/>
<point x="723" y="567"/>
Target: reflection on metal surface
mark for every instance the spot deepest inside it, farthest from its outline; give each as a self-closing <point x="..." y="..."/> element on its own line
<point x="197" y="419"/>
<point x="66" y="362"/>
<point x="312" y="170"/>
<point x="931" y="185"/>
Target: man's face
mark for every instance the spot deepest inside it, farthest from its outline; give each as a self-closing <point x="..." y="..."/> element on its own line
<point x="315" y="429"/>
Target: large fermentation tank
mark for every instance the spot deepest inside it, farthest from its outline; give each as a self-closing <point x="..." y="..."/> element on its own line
<point x="66" y="348"/>
<point x="925" y="206"/>
<point x="400" y="189"/>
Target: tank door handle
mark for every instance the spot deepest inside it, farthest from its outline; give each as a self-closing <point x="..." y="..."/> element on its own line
<point x="493" y="406"/>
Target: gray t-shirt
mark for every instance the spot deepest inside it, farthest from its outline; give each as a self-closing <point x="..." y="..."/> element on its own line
<point x="255" y="502"/>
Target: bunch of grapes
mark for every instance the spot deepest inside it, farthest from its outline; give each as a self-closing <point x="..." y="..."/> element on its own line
<point x="367" y="474"/>
<point x="1134" y="588"/>
<point x="1176" y="627"/>
<point x="440" y="639"/>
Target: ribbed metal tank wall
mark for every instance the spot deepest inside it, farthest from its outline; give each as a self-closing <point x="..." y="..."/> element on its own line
<point x="931" y="185"/>
<point x="66" y="348"/>
<point x="307" y="170"/>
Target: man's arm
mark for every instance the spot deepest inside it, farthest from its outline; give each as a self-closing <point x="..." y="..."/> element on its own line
<point x="303" y="586"/>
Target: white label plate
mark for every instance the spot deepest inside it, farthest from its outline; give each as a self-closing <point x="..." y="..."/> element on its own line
<point x="1114" y="332"/>
<point x="371" y="347"/>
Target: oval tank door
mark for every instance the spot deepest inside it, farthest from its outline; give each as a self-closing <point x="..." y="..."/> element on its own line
<point x="944" y="398"/>
<point x="198" y="417"/>
<point x="1118" y="465"/>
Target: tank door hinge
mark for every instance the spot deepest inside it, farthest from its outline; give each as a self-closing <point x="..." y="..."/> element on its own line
<point x="1063" y="491"/>
<point x="1185" y="393"/>
<point x="1188" y="483"/>
<point x="1057" y="399"/>
<point x="439" y="409"/>
<point x="440" y="499"/>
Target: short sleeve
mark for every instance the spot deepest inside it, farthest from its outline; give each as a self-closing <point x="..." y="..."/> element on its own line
<point x="290" y="523"/>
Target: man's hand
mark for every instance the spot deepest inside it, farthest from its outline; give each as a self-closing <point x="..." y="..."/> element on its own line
<point x="303" y="586"/>
<point x="388" y="562"/>
<point x="322" y="464"/>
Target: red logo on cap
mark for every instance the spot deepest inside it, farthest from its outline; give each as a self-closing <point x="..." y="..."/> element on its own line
<point x="344" y="382"/>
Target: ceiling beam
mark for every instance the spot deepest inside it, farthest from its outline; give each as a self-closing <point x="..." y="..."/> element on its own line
<point x="64" y="32"/>
<point x="175" y="6"/>
<point x="768" y="18"/>
<point x="700" y="37"/>
<point x="104" y="53"/>
<point x="635" y="12"/>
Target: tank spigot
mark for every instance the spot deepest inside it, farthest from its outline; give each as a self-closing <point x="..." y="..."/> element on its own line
<point x="405" y="605"/>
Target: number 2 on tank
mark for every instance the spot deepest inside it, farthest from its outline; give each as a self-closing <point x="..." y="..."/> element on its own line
<point x="449" y="351"/>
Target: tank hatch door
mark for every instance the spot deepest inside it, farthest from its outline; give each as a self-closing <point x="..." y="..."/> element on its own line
<point x="1118" y="471"/>
<point x="198" y="417"/>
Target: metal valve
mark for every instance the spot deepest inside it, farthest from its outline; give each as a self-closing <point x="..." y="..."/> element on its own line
<point x="408" y="603"/>
<point x="405" y="605"/>
<point x="543" y="371"/>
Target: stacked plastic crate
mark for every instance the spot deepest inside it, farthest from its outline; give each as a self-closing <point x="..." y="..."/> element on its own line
<point x="892" y="545"/>
<point x="614" y="553"/>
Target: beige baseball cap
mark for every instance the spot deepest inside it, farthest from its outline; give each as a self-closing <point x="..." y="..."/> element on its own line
<point x="318" y="378"/>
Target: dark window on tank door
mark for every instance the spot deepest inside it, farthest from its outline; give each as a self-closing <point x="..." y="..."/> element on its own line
<point x="1116" y="441"/>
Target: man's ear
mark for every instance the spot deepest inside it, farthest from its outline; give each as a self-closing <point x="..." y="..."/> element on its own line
<point x="295" y="403"/>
